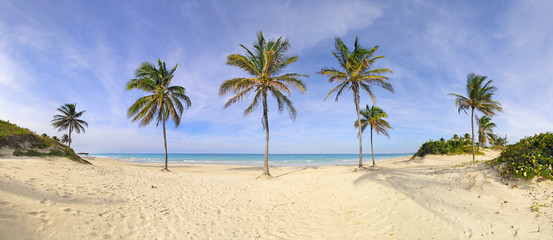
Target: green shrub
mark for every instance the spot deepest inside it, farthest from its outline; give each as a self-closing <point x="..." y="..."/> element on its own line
<point x="41" y="145"/>
<point x="52" y="153"/>
<point x="530" y="157"/>
<point x="18" y="152"/>
<point x="7" y="129"/>
<point x="444" y="147"/>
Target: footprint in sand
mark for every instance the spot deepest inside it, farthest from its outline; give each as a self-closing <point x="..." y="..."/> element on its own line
<point x="33" y="213"/>
<point x="47" y="202"/>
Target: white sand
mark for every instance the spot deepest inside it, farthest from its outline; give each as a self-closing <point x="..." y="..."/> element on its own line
<point x="434" y="198"/>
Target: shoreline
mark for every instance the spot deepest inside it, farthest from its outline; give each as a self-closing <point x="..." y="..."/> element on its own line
<point x="278" y="162"/>
<point x="439" y="197"/>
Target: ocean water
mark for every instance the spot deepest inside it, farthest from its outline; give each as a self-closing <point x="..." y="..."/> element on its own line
<point x="252" y="159"/>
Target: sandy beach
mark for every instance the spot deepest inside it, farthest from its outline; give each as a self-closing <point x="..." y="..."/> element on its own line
<point x="438" y="197"/>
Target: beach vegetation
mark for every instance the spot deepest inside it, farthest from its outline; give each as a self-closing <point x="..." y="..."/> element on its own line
<point x="536" y="206"/>
<point x="528" y="158"/>
<point x="163" y="101"/>
<point x="25" y="142"/>
<point x="497" y="141"/>
<point x="375" y="118"/>
<point x="64" y="138"/>
<point x="10" y="129"/>
<point x="264" y="64"/>
<point x="68" y="119"/>
<point x="356" y="74"/>
<point x="453" y="147"/>
<point x="479" y="94"/>
<point x="485" y="130"/>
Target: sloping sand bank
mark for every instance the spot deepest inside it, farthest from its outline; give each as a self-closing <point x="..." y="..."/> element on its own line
<point x="433" y="198"/>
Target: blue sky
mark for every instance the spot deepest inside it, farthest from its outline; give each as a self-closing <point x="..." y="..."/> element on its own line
<point x="84" y="52"/>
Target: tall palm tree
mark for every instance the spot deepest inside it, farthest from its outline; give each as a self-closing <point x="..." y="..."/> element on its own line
<point x="163" y="101"/>
<point x="264" y="64"/>
<point x="374" y="117"/>
<point x="485" y="131"/>
<point x="355" y="73"/>
<point x="69" y="119"/>
<point x="479" y="97"/>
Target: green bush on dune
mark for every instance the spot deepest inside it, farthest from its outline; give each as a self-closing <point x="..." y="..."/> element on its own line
<point x="26" y="143"/>
<point x="453" y="146"/>
<point x="528" y="158"/>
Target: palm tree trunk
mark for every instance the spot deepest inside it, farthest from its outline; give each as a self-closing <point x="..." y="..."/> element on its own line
<point x="372" y="148"/>
<point x="472" y="125"/>
<point x="165" y="144"/>
<point x="356" y="98"/>
<point x="266" y="126"/>
<point x="69" y="136"/>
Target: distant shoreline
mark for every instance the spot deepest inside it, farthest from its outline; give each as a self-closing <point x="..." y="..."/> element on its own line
<point x="277" y="160"/>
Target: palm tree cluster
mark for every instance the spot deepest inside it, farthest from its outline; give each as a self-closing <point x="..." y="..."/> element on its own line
<point x="264" y="65"/>
<point x="374" y="117"/>
<point x="479" y="94"/>
<point x="355" y="74"/>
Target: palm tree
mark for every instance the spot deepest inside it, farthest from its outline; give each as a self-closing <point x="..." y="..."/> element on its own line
<point x="485" y="131"/>
<point x="163" y="101"/>
<point x="56" y="138"/>
<point x="374" y="117"/>
<point x="69" y="119"/>
<point x="355" y="73"/>
<point x="455" y="137"/>
<point x="466" y="136"/>
<point x="65" y="138"/>
<point x="479" y="97"/>
<point x="264" y="64"/>
<point x="501" y="141"/>
<point x="497" y="140"/>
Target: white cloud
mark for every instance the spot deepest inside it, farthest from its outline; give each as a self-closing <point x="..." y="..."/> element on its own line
<point x="305" y="23"/>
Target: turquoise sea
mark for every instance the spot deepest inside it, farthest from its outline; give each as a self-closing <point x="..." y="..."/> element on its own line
<point x="252" y="159"/>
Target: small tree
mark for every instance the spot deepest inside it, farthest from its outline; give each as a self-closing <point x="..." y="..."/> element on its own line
<point x="69" y="119"/>
<point x="374" y="117"/>
<point x="485" y="130"/>
<point x="65" y="138"/>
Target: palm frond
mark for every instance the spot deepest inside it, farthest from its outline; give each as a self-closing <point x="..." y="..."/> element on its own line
<point x="164" y="102"/>
<point x="264" y="62"/>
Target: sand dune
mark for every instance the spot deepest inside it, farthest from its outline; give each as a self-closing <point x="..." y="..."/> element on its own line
<point x="433" y="198"/>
